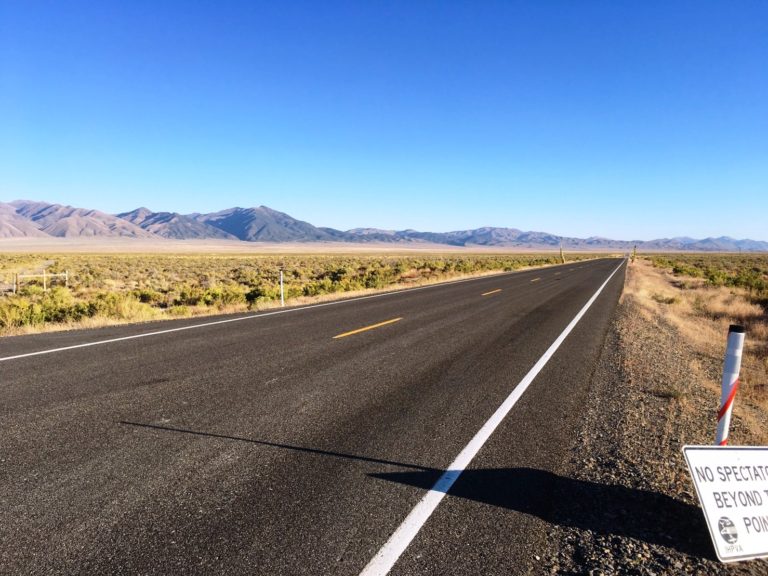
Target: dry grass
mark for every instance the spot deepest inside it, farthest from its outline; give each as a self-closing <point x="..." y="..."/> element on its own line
<point x="702" y="314"/>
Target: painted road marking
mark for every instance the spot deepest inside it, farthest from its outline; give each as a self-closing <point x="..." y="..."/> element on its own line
<point x="249" y="317"/>
<point x="535" y="279"/>
<point x="393" y="548"/>
<point x="491" y="292"/>
<point x="557" y="273"/>
<point x="366" y="328"/>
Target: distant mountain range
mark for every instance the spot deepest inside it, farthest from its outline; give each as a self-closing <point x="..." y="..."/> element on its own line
<point x="24" y="218"/>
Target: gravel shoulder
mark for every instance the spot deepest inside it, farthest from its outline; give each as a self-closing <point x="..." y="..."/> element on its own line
<point x="632" y="506"/>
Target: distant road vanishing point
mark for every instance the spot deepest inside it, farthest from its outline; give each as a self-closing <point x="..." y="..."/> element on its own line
<point x="298" y="441"/>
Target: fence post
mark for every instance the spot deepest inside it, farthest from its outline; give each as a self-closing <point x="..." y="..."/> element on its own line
<point x="730" y="383"/>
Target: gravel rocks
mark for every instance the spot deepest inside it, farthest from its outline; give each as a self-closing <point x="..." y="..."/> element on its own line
<point x="636" y="510"/>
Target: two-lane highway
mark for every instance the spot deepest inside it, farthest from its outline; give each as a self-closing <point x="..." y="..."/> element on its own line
<point x="298" y="441"/>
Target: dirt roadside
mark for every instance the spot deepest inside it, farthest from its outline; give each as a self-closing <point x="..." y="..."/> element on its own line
<point x="631" y="508"/>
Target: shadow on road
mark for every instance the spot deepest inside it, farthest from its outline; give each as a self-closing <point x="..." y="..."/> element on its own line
<point x="600" y="508"/>
<point x="279" y="445"/>
<point x="604" y="509"/>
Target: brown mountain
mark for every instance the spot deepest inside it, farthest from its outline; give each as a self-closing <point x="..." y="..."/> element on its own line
<point x="67" y="221"/>
<point x="173" y="225"/>
<point x="12" y="225"/>
<point x="263" y="224"/>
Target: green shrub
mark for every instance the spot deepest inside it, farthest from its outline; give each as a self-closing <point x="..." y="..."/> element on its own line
<point x="149" y="296"/>
<point x="262" y="293"/>
<point x="687" y="270"/>
<point x="221" y="296"/>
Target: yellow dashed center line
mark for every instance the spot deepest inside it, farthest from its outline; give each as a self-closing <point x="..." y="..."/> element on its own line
<point x="365" y="328"/>
<point x="491" y="292"/>
<point x="535" y="279"/>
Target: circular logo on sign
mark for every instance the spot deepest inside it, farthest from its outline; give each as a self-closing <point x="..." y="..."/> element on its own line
<point x="727" y="530"/>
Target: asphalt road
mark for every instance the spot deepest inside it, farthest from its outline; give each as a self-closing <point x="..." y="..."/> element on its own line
<point x="268" y="445"/>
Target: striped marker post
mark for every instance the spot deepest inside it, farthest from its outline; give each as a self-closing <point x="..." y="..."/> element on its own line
<point x="730" y="383"/>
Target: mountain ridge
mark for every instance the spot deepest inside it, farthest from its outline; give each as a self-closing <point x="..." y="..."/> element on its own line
<point x="25" y="218"/>
<point x="63" y="221"/>
<point x="174" y="226"/>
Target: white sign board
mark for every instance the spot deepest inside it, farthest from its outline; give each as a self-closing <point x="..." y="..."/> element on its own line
<point x="732" y="484"/>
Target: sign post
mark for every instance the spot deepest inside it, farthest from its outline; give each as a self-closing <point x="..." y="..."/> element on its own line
<point x="730" y="384"/>
<point x="732" y="485"/>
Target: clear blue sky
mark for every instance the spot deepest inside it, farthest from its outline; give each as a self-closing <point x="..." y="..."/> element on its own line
<point x="631" y="120"/>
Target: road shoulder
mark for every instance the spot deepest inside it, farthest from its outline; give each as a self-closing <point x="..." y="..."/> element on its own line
<point x="632" y="507"/>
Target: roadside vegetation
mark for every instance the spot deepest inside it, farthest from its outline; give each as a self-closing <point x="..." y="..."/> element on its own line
<point x="107" y="288"/>
<point x="701" y="295"/>
<point x="656" y="389"/>
<point x="748" y="272"/>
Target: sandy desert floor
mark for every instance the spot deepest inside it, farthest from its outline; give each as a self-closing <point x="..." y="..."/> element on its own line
<point x="140" y="246"/>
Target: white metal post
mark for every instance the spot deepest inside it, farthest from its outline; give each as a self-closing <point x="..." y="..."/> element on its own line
<point x="730" y="383"/>
<point x="45" y="287"/>
<point x="282" y="292"/>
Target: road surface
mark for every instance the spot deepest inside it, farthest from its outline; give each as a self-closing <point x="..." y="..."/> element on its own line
<point x="298" y="442"/>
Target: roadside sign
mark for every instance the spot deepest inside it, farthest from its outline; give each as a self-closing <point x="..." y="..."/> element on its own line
<point x="732" y="485"/>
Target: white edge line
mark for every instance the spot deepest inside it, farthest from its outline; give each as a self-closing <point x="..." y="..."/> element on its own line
<point x="259" y="315"/>
<point x="401" y="538"/>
